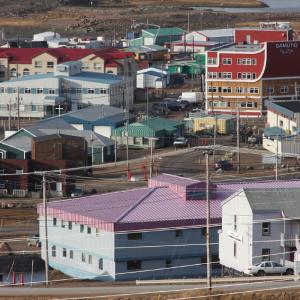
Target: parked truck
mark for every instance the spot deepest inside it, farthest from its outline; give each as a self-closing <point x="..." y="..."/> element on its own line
<point x="192" y="97"/>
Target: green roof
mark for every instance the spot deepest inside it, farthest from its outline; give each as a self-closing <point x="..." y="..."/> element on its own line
<point x="165" y="31"/>
<point x="150" y="128"/>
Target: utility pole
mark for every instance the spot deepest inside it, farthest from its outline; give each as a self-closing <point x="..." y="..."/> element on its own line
<point x="115" y="149"/>
<point x="46" y="232"/>
<point x="188" y="22"/>
<point x="208" y="223"/>
<point x="9" y="115"/>
<point x="276" y="161"/>
<point x="238" y="139"/>
<point x="18" y="105"/>
<point x="215" y="126"/>
<point x="152" y="139"/>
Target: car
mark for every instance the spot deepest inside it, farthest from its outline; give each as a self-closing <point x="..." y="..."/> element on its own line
<point x="174" y="105"/>
<point x="180" y="142"/>
<point x="269" y="268"/>
<point x="204" y="133"/>
<point x="77" y="193"/>
<point x="223" y="165"/>
<point x="34" y="241"/>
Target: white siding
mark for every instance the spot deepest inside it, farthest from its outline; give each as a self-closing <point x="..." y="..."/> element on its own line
<point x="103" y="130"/>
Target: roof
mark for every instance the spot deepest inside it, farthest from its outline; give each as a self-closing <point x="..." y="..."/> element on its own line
<point x="293" y="106"/>
<point x="22" y="143"/>
<point x="154" y="207"/>
<point x="286" y="200"/>
<point x="274" y="131"/>
<point x="21" y="263"/>
<point x="25" y="55"/>
<point x="150" y="127"/>
<point x="220" y="32"/>
<point x="240" y="48"/>
<point x="53" y="136"/>
<point x="148" y="48"/>
<point x="165" y="31"/>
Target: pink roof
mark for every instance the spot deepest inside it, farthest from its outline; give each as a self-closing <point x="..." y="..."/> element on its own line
<point x="152" y="207"/>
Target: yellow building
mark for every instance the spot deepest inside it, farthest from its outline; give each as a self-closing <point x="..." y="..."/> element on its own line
<point x="225" y="123"/>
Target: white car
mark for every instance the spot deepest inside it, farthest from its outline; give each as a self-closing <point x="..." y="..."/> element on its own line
<point x="269" y="268"/>
<point x="180" y="142"/>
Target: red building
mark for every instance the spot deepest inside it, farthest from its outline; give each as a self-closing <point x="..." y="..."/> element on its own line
<point x="266" y="32"/>
<point x="242" y="76"/>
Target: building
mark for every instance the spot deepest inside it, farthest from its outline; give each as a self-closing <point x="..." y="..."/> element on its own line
<point x="260" y="223"/>
<point x="266" y="32"/>
<point x="148" y="53"/>
<point x="241" y="76"/>
<point x="53" y="39"/>
<point x="152" y="78"/>
<point x="21" y="62"/>
<point x="220" y="35"/>
<point x="225" y="124"/>
<point x="157" y="36"/>
<point x="158" y="131"/>
<point x="67" y="88"/>
<point x="19" y="145"/>
<point x="101" y="119"/>
<point x="282" y="129"/>
<point x="193" y="46"/>
<point x="113" y="227"/>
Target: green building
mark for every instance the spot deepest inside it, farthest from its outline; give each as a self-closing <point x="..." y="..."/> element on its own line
<point x="158" y="36"/>
<point x="140" y="133"/>
<point x="190" y="68"/>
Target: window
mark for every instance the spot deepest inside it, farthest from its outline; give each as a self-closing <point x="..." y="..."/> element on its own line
<point x="97" y="66"/>
<point x="220" y="104"/>
<point x="1" y="277"/>
<point x="235" y="222"/>
<point x="97" y="231"/>
<point x="212" y="89"/>
<point x="226" y="89"/>
<point x="90" y="259"/>
<point x="134" y="265"/>
<point x="38" y="64"/>
<point x="2" y="74"/>
<point x="78" y="91"/>
<point x="81" y="228"/>
<point x="27" y="91"/>
<point x="54" y="221"/>
<point x="69" y="225"/>
<point x="253" y="90"/>
<point x="64" y="253"/>
<point x="284" y="89"/>
<point x="50" y="64"/>
<point x="239" y="90"/>
<point x="211" y="60"/>
<point x="212" y="75"/>
<point x="63" y="224"/>
<point x="13" y="72"/>
<point x="19" y="171"/>
<point x="89" y="230"/>
<point x="83" y="257"/>
<point x="227" y="61"/>
<point x="203" y="231"/>
<point x="51" y="91"/>
<point x="270" y="90"/>
<point x="71" y="254"/>
<point x="91" y="91"/>
<point x="265" y="254"/>
<point x="253" y="61"/>
<point x="39" y="90"/>
<point x="33" y="107"/>
<point x="100" y="264"/>
<point x="134" y="236"/>
<point x="85" y="66"/>
<point x="246" y="61"/>
<point x="168" y="263"/>
<point x="266" y="228"/>
<point x="227" y="75"/>
<point x="253" y="75"/>
<point x="178" y="233"/>
<point x="26" y="72"/>
<point x="247" y="104"/>
<point x="234" y="249"/>
<point x="281" y="123"/>
<point x="53" y="251"/>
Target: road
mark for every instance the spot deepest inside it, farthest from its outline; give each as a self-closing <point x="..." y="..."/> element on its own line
<point x="109" y="291"/>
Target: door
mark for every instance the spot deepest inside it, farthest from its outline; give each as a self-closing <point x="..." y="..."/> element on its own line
<point x="268" y="268"/>
<point x="277" y="268"/>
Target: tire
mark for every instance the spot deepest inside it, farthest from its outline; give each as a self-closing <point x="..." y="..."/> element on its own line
<point x="289" y="272"/>
<point x="261" y="273"/>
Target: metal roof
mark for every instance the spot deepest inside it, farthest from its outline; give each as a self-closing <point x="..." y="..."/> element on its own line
<point x="22" y="143"/>
<point x="277" y="199"/>
<point x="164" y="31"/>
<point x="215" y="33"/>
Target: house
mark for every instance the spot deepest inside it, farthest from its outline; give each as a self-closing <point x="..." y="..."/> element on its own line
<point x="282" y="129"/>
<point x="113" y="228"/>
<point x="67" y="88"/>
<point x="158" y="131"/>
<point x="101" y="119"/>
<point x="244" y="76"/>
<point x="157" y="36"/>
<point x="190" y="68"/>
<point x="19" y="144"/>
<point x="148" y="53"/>
<point x="53" y="39"/>
<point x="193" y="46"/>
<point x="259" y="223"/>
<point x="220" y="35"/>
<point x="265" y="32"/>
<point x="152" y="78"/>
<point x="19" y="62"/>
